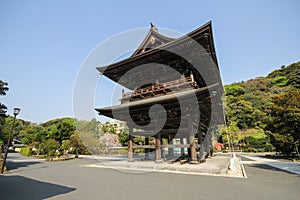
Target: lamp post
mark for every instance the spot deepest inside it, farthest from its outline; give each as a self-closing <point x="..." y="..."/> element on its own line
<point x="16" y="112"/>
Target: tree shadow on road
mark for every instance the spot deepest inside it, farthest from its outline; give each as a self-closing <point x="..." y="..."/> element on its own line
<point x="268" y="167"/>
<point x="19" y="187"/>
<point x="12" y="165"/>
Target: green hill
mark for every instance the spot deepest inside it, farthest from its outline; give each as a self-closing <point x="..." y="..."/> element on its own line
<point x="268" y="106"/>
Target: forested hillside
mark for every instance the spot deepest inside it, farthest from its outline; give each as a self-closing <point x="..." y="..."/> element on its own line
<point x="266" y="109"/>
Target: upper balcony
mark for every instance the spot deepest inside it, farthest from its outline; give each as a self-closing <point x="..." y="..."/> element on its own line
<point x="159" y="89"/>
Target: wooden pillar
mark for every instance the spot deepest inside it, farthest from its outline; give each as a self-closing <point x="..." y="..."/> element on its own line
<point x="158" y="152"/>
<point x="130" y="145"/>
<point x="147" y="149"/>
<point x="161" y="151"/>
<point x="170" y="150"/>
<point x="193" y="153"/>
<point x="188" y="142"/>
<point x="158" y="147"/>
<point x="200" y="142"/>
<point x="193" y="150"/>
<point x="182" y="148"/>
<point x="209" y="145"/>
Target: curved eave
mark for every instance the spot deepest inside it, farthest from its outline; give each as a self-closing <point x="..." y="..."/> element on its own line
<point x="194" y="34"/>
<point x="107" y="111"/>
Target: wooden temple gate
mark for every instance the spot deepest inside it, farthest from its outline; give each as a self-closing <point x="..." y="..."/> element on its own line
<point x="186" y="96"/>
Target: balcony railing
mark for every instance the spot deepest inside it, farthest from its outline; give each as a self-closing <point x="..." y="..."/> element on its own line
<point x="159" y="89"/>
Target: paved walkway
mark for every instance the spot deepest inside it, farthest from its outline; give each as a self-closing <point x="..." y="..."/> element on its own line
<point x="217" y="165"/>
<point x="293" y="167"/>
<point x="73" y="180"/>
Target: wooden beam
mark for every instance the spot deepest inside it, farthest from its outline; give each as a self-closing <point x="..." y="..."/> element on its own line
<point x="143" y="147"/>
<point x="176" y="146"/>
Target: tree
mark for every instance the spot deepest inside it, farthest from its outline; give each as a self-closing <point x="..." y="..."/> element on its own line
<point x="76" y="143"/>
<point x="234" y="89"/>
<point x="288" y="75"/>
<point x="66" y="144"/>
<point x="90" y="126"/>
<point x="3" y="109"/>
<point x="60" y="129"/>
<point x="241" y="112"/>
<point x="285" y="114"/>
<point x="282" y="143"/>
<point x="50" y="146"/>
<point x="5" y="129"/>
<point x="3" y="88"/>
<point x="285" y="120"/>
<point x="124" y="137"/>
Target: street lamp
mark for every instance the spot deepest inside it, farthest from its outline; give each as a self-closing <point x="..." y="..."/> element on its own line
<point x="16" y="112"/>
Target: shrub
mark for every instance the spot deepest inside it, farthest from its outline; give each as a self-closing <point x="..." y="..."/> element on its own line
<point x="254" y="150"/>
<point x="1" y="163"/>
<point x="280" y="81"/>
<point x="43" y="156"/>
<point x="123" y="151"/>
<point x="225" y="151"/>
<point x="261" y="150"/>
<point x="26" y="151"/>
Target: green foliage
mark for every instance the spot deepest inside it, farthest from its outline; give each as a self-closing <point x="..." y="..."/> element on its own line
<point x="50" y="146"/>
<point x="283" y="143"/>
<point x="47" y="137"/>
<point x="255" y="142"/>
<point x="3" y="88"/>
<point x="124" y="137"/>
<point x="266" y="103"/>
<point x="108" y="128"/>
<point x="26" y="151"/>
<point x="280" y="81"/>
<point x="60" y="129"/>
<point x="285" y="120"/>
<point x="5" y="129"/>
<point x="3" y="108"/>
<point x="285" y="114"/>
<point x="66" y="144"/>
<point x="292" y="74"/>
<point x="234" y="89"/>
<point x="26" y="141"/>
<point x="77" y="143"/>
<point x="243" y="113"/>
<point x="32" y="133"/>
<point x="123" y="132"/>
<point x="89" y="126"/>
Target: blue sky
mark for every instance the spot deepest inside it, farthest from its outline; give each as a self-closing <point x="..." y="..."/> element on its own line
<point x="44" y="43"/>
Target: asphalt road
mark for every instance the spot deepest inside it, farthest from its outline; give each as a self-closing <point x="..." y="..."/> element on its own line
<point x="33" y="179"/>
